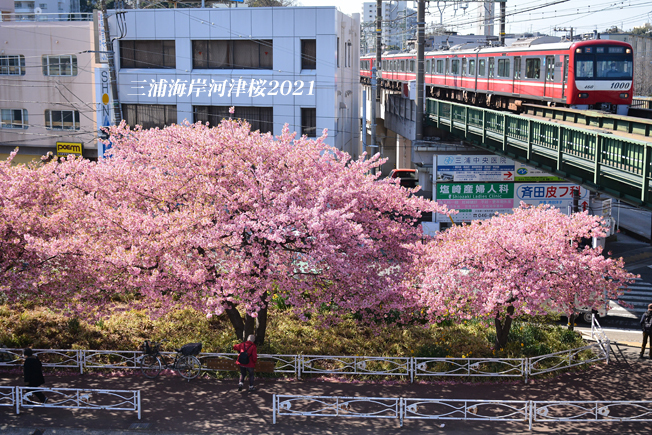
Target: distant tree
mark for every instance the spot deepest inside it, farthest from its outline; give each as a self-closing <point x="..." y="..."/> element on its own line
<point x="613" y="29"/>
<point x="528" y="262"/>
<point x="646" y="29"/>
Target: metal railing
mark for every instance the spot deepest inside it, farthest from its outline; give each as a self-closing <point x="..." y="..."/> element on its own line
<point x="300" y="365"/>
<point x="29" y="15"/>
<point x="526" y="411"/>
<point x="606" y="159"/>
<point x="71" y="398"/>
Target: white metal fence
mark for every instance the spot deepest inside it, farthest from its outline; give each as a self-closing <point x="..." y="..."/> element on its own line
<point x="112" y="400"/>
<point x="299" y="365"/>
<point x="526" y="411"/>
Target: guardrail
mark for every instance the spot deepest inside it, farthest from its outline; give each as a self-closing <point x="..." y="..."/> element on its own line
<point x="28" y="16"/>
<point x="300" y="365"/>
<point x="71" y="398"/>
<point x="526" y="411"/>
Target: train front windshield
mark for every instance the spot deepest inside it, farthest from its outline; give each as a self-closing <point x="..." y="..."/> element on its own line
<point x="603" y="63"/>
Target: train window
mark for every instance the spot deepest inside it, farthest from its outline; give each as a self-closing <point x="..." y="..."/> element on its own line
<point x="448" y="66"/>
<point x="472" y="67"/>
<point x="517" y="68"/>
<point x="617" y="68"/>
<point x="384" y="65"/>
<point x="550" y="68"/>
<point x="532" y="68"/>
<point x="481" y="67"/>
<point x="464" y="62"/>
<point x="491" y="66"/>
<point x="455" y="66"/>
<point x="440" y="66"/>
<point x="584" y="69"/>
<point x="503" y="67"/>
<point x="428" y="66"/>
<point x="411" y="66"/>
<point x="402" y="65"/>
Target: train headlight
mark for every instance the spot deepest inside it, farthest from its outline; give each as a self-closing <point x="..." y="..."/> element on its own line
<point x="578" y="50"/>
<point x="584" y="95"/>
<point x="629" y="50"/>
<point x="624" y="95"/>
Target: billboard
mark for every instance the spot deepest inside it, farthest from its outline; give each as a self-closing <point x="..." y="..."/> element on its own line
<point x="474" y="168"/>
<point x="559" y="195"/>
<point x="474" y="200"/>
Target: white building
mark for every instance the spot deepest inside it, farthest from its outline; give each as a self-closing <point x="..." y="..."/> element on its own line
<point x="398" y="26"/>
<point x="46" y="7"/>
<point x="297" y="65"/>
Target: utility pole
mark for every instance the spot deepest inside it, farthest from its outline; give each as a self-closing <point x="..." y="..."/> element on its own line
<point x="421" y="36"/>
<point x="117" y="111"/>
<point x="564" y="29"/>
<point x="503" y="13"/>
<point x="375" y="80"/>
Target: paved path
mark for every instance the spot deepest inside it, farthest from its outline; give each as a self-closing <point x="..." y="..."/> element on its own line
<point x="208" y="406"/>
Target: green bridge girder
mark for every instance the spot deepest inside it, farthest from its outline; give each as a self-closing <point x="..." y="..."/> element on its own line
<point x="609" y="162"/>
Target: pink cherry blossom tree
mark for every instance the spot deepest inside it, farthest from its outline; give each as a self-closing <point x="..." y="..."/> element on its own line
<point x="224" y="220"/>
<point x="528" y="262"/>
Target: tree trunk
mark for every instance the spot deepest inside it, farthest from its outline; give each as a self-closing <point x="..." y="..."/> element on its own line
<point x="261" y="327"/>
<point x="571" y="321"/>
<point x="250" y="326"/>
<point x="236" y="322"/>
<point x="502" y="328"/>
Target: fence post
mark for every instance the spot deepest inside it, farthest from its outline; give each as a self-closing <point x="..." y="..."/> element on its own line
<point x="81" y="358"/>
<point x="530" y="410"/>
<point x="299" y="363"/>
<point x="401" y="410"/>
<point x="526" y="369"/>
<point x="273" y="408"/>
<point x="411" y="367"/>
<point x="17" y="400"/>
<point x="138" y="398"/>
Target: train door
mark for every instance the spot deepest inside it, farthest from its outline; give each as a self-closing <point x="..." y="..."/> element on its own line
<point x="549" y="85"/>
<point x="516" y="83"/>
<point x="564" y="78"/>
<point x="490" y="75"/>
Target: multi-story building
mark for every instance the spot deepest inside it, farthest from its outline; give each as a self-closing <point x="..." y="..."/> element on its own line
<point x="296" y="65"/>
<point x="398" y="26"/>
<point x="46" y="88"/>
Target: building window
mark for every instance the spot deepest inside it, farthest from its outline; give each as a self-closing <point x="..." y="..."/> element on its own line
<point x="503" y="67"/>
<point x="226" y="54"/>
<point x="532" y="68"/>
<point x="59" y="65"/>
<point x="147" y="54"/>
<point x="14" y="118"/>
<point x="62" y="120"/>
<point x="309" y="122"/>
<point x="12" y="65"/>
<point x="149" y="115"/>
<point x="308" y="54"/>
<point x="260" y="118"/>
<point x="43" y="6"/>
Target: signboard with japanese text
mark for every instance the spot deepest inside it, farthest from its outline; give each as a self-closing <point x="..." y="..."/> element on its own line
<point x="474" y="168"/>
<point x="474" y="200"/>
<point x="524" y="173"/>
<point x="104" y="102"/>
<point x="559" y="195"/>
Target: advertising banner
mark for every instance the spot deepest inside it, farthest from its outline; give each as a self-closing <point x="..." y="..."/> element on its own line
<point x="475" y="200"/>
<point x="474" y="168"/>
<point x="559" y="195"/>
<point x="104" y="102"/>
<point x="524" y="173"/>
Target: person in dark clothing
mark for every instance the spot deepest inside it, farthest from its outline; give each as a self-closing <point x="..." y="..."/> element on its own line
<point x="246" y="368"/>
<point x="33" y="371"/>
<point x="646" y="327"/>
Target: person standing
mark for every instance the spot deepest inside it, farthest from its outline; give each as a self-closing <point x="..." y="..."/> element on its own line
<point x="247" y="357"/>
<point x="646" y="326"/>
<point x="33" y="371"/>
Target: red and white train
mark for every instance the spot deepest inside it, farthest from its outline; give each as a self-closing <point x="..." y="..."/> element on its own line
<point x="592" y="74"/>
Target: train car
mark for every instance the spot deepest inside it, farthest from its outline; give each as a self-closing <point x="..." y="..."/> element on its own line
<point x="592" y="74"/>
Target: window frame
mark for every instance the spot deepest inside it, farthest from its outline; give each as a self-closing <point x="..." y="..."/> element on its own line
<point x="306" y="62"/>
<point x="49" y="123"/>
<point x="213" y="47"/>
<point x="222" y="112"/>
<point x="504" y="68"/>
<point x="48" y="65"/>
<point x="533" y="65"/>
<point x="12" y="125"/>
<point x="167" y="53"/>
<point x="5" y="64"/>
<point x="169" y="114"/>
<point x="309" y="121"/>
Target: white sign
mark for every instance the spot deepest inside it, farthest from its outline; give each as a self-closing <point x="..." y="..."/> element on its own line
<point x="101" y="37"/>
<point x="474" y="168"/>
<point x="526" y="173"/>
<point x="104" y="103"/>
<point x="559" y="195"/>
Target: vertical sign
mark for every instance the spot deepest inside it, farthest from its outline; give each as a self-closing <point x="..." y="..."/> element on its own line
<point x="101" y="55"/>
<point x="104" y="113"/>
